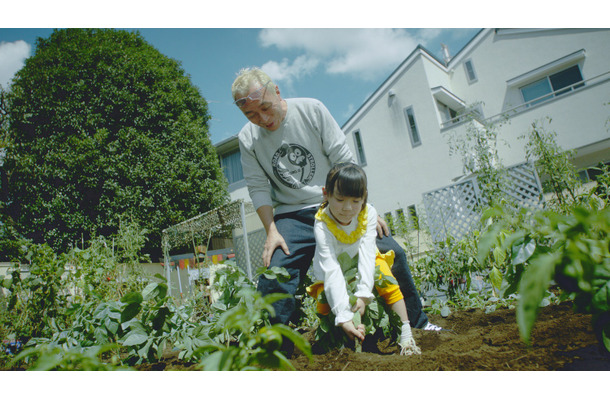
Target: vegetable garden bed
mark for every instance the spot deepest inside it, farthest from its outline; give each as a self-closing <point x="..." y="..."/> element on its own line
<point x="561" y="340"/>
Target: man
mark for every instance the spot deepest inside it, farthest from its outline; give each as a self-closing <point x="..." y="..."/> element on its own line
<point x="287" y="149"/>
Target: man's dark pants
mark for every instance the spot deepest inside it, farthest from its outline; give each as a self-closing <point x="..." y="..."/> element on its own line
<point x="297" y="230"/>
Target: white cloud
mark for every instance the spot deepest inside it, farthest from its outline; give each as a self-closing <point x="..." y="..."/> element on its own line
<point x="429" y="34"/>
<point x="349" y="111"/>
<point x="12" y="59"/>
<point x="287" y="71"/>
<point x="365" y="53"/>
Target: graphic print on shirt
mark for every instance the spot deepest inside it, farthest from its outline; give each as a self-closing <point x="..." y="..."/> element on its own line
<point x="293" y="165"/>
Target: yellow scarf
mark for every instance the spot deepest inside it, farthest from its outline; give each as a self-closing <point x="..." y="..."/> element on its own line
<point x="340" y="233"/>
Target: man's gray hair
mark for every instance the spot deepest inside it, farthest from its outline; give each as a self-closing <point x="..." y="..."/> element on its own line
<point x="246" y="78"/>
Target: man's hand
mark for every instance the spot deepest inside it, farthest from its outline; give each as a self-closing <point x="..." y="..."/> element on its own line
<point x="351" y="331"/>
<point x="382" y="227"/>
<point x="274" y="240"/>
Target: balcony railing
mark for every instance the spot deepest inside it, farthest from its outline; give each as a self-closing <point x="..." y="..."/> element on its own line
<point x="473" y="113"/>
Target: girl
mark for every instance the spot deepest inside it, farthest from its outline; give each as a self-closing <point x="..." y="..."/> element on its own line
<point x="345" y="223"/>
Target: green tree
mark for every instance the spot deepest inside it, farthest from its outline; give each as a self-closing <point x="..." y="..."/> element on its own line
<point x="104" y="127"/>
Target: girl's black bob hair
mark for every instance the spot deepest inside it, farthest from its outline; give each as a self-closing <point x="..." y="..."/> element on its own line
<point x="347" y="179"/>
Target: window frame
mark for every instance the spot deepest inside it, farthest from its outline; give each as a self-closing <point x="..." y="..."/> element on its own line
<point x="554" y="92"/>
<point x="389" y="219"/>
<point x="475" y="77"/>
<point x="409" y="111"/>
<point x="225" y="167"/>
<point x="359" y="147"/>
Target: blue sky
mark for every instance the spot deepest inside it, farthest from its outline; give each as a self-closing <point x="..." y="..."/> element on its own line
<point x="328" y="49"/>
<point x="341" y="67"/>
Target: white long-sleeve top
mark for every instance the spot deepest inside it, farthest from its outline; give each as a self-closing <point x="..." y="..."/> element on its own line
<point x="327" y="269"/>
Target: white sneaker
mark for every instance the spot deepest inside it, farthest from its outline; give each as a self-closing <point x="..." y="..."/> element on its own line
<point x="431" y="327"/>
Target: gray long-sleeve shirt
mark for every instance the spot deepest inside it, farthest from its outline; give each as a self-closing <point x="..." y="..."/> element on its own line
<point x="287" y="168"/>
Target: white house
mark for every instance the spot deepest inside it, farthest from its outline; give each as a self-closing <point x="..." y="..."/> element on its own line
<point x="399" y="134"/>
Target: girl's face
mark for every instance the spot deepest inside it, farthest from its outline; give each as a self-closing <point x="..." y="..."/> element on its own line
<point x="343" y="208"/>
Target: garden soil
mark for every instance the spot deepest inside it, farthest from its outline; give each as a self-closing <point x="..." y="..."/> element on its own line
<point x="562" y="340"/>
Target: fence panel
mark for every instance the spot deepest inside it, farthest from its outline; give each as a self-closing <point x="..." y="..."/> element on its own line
<point x="455" y="210"/>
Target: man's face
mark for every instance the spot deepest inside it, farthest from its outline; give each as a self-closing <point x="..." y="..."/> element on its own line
<point x="264" y="110"/>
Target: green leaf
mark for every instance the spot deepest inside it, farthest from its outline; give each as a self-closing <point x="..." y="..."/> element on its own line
<point x="606" y="336"/>
<point x="154" y="290"/>
<point x="130" y="311"/>
<point x="601" y="299"/>
<point x="273" y="297"/>
<point x="533" y="285"/>
<point x="279" y="273"/>
<point x="523" y="250"/>
<point x="221" y="360"/>
<point x="488" y="240"/>
<point x="132" y="297"/>
<point x="495" y="276"/>
<point x="298" y="340"/>
<point x="112" y="326"/>
<point x="346" y="262"/>
<point x="134" y="338"/>
<point x="100" y="335"/>
<point x="159" y="319"/>
<point x="148" y="291"/>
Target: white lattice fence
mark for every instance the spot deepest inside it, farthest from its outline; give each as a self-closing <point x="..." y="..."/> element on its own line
<point x="256" y="245"/>
<point x="454" y="211"/>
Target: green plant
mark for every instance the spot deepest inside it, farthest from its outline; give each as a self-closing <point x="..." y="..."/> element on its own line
<point x="36" y="301"/>
<point x="572" y="250"/>
<point x="602" y="189"/>
<point x="228" y="281"/>
<point x="145" y="319"/>
<point x="449" y="268"/>
<point x="49" y="357"/>
<point x="253" y="345"/>
<point x="478" y="149"/>
<point x="554" y="164"/>
<point x="377" y="316"/>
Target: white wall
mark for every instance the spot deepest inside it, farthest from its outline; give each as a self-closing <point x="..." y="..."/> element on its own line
<point x="399" y="173"/>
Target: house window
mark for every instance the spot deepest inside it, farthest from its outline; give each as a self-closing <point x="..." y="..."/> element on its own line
<point x="552" y="85"/>
<point x="413" y="216"/>
<point x="412" y="125"/>
<point x="447" y="113"/>
<point x="231" y="167"/>
<point x="591" y="174"/>
<point x="390" y="221"/>
<point x="359" y="148"/>
<point x="470" y="73"/>
<point x="402" y="220"/>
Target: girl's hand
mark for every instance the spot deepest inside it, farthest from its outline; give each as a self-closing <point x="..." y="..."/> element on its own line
<point x="360" y="306"/>
<point x="351" y="331"/>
